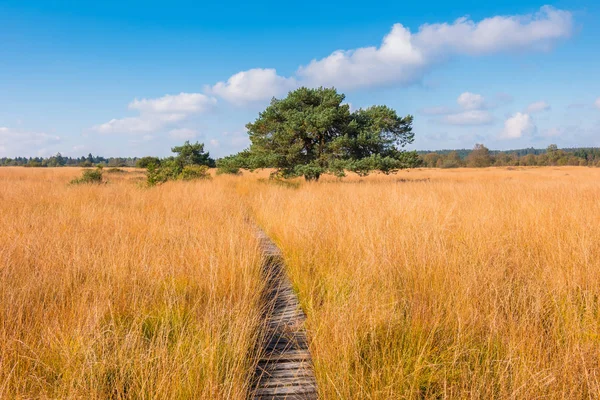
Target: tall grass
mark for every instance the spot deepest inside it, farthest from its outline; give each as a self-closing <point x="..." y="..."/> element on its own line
<point x="117" y="291"/>
<point x="428" y="284"/>
<point x="439" y="284"/>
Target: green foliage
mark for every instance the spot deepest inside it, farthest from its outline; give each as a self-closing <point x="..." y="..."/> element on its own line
<point x="479" y="157"/>
<point x="191" y="172"/>
<point x="229" y="165"/>
<point x="278" y="181"/>
<point x="191" y="162"/>
<point x="34" y="164"/>
<point x="116" y="171"/>
<point x="145" y="162"/>
<point x="192" y="154"/>
<point x="89" y="176"/>
<point x="312" y="132"/>
<point x="56" y="161"/>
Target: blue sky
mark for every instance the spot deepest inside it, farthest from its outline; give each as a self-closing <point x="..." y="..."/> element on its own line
<point x="133" y="79"/>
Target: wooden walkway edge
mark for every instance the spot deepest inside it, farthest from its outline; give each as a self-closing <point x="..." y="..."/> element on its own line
<point x="284" y="370"/>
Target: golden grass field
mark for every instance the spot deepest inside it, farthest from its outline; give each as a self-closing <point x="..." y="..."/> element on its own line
<point x="117" y="291"/>
<point x="426" y="284"/>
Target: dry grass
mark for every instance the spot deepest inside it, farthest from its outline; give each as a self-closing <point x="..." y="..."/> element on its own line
<point x="427" y="284"/>
<point x="446" y="284"/>
<point x="116" y="291"/>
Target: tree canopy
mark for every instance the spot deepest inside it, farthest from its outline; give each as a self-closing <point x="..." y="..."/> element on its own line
<point x="191" y="162"/>
<point x="312" y="131"/>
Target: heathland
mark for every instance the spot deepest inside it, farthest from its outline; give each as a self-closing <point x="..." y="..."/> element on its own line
<point x="457" y="283"/>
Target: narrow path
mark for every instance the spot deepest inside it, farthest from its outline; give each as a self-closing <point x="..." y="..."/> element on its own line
<point x="285" y="369"/>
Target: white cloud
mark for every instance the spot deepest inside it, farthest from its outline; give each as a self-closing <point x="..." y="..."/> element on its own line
<point x="536" y="107"/>
<point x="145" y="123"/>
<point x="14" y="142"/>
<point x="183" y="133"/>
<point x="403" y="57"/>
<point x="214" y="142"/>
<point x="469" y="117"/>
<point x="157" y="114"/>
<point x="253" y="85"/>
<point x="496" y="34"/>
<point x="471" y="101"/>
<point x="397" y="60"/>
<point x="473" y="111"/>
<point x="517" y="126"/>
<point x="597" y="103"/>
<point x="183" y="103"/>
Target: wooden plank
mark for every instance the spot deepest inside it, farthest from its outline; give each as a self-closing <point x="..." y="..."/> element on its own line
<point x="284" y="370"/>
<point x="304" y="389"/>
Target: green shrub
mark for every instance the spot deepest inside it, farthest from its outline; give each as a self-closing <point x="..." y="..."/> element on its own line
<point x="116" y="171"/>
<point x="145" y="162"/>
<point x="191" y="172"/>
<point x="229" y="165"/>
<point x="450" y="164"/>
<point x="228" y="169"/>
<point x="278" y="181"/>
<point x="89" y="176"/>
<point x="34" y="164"/>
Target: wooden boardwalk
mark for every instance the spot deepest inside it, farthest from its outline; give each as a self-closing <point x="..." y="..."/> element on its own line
<point x="285" y="369"/>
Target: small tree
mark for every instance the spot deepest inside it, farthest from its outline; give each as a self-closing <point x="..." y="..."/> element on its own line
<point x="145" y="162"/>
<point x="89" y="176"/>
<point x="479" y="157"/>
<point x="312" y="132"/>
<point x="192" y="154"/>
<point x="452" y="160"/>
<point x="190" y="163"/>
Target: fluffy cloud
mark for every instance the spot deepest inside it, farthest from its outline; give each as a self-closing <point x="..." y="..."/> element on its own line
<point x="517" y="126"/>
<point x="157" y="114"/>
<point x="253" y="85"/>
<point x="403" y="57"/>
<point x="15" y="142"/>
<point x="471" y="101"/>
<point x="597" y="103"/>
<point x="397" y="60"/>
<point x="145" y="123"/>
<point x="472" y="111"/>
<point x="469" y="117"/>
<point x="536" y="107"/>
<point x="183" y="103"/>
<point x="496" y="34"/>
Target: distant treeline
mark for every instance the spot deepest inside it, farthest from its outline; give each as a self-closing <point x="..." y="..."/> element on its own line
<point x="480" y="156"/>
<point x="60" y="161"/>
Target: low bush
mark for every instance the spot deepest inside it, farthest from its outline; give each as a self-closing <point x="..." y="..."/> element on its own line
<point x="191" y="172"/>
<point x="228" y="169"/>
<point x="89" y="176"/>
<point x="116" y="171"/>
<point x="172" y="171"/>
<point x="229" y="165"/>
